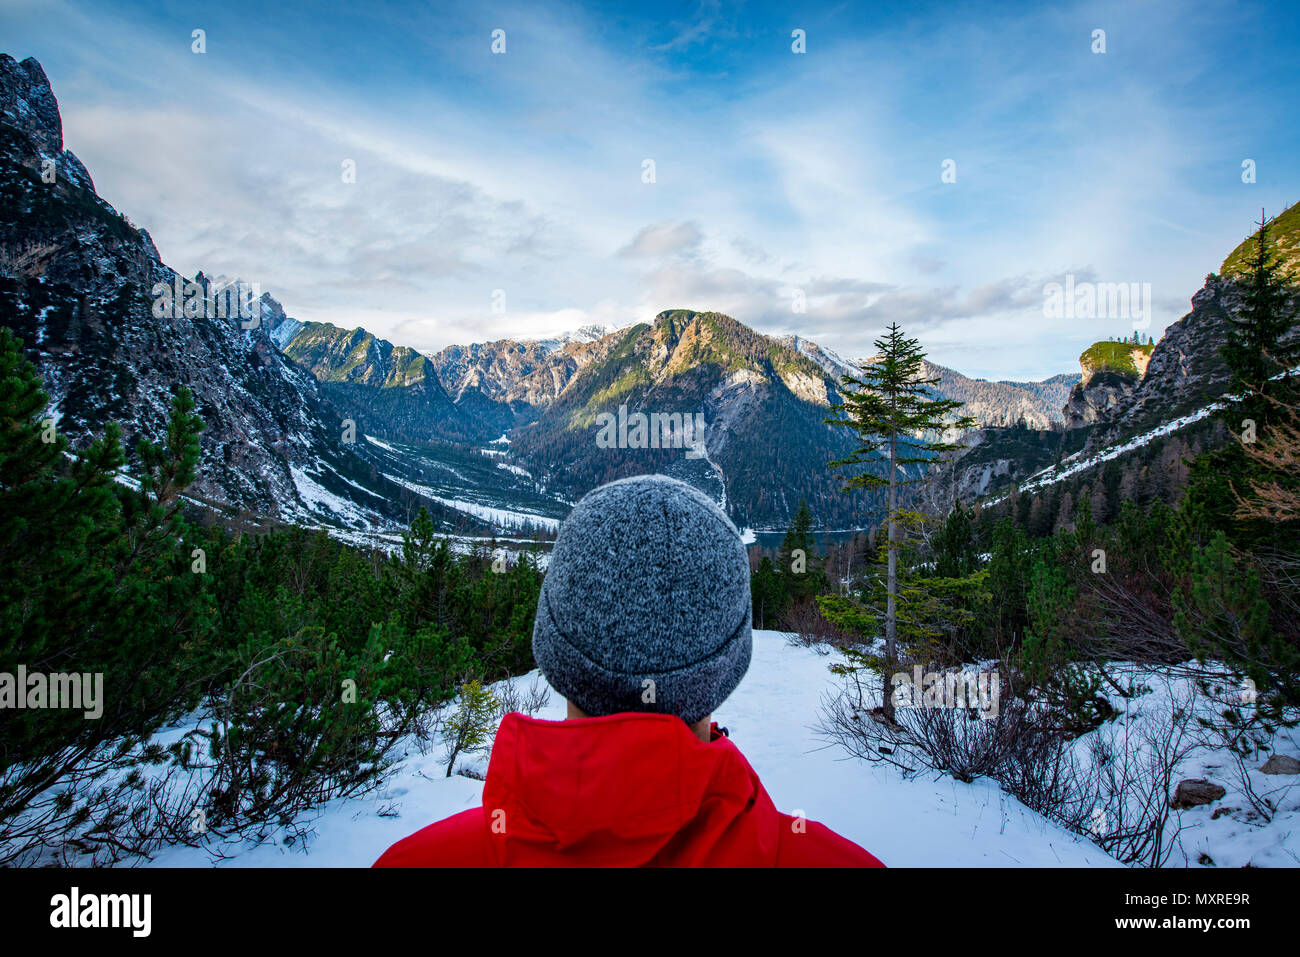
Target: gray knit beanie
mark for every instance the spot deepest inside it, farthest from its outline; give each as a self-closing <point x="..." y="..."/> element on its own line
<point x="645" y="605"/>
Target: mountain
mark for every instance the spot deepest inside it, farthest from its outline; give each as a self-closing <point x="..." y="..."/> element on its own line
<point x="1186" y="371"/>
<point x="763" y="405"/>
<point x="546" y="394"/>
<point x="1136" y="416"/>
<point x="524" y="374"/>
<point x="115" y="332"/>
<point x="1001" y="403"/>
<point x="1004" y="403"/>
<point x="391" y="391"/>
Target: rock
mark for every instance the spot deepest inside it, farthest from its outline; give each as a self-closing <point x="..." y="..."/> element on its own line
<point x="1195" y="791"/>
<point x="28" y="103"/>
<point x="1280" y="764"/>
<point x="1102" y="391"/>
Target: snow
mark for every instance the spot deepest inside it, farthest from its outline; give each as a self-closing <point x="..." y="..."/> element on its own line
<point x="925" y="821"/>
<point x="285" y="331"/>
<point x="1072" y="464"/>
<point x="1239" y="836"/>
<point x="322" y="503"/>
<point x="504" y="517"/>
<point x="515" y="469"/>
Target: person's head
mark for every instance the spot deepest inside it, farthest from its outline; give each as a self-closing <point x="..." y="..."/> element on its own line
<point x="645" y="605"/>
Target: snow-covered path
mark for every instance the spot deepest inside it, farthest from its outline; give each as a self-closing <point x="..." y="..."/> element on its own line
<point x="926" y="821"/>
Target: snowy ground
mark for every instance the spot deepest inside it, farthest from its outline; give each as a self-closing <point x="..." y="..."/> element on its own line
<point x="926" y="821"/>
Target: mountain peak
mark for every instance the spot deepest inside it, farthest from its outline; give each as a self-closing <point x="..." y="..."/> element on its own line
<point x="29" y="104"/>
<point x="587" y="333"/>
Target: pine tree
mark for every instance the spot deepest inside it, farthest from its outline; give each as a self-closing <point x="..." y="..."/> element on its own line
<point x="94" y="579"/>
<point x="1259" y="345"/>
<point x="1254" y="346"/>
<point x="767" y="590"/>
<point x="889" y="408"/>
<point x="796" y="561"/>
<point x="470" y="728"/>
<point x="954" y="548"/>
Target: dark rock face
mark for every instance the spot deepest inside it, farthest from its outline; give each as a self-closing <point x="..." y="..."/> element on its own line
<point x="1096" y="397"/>
<point x="78" y="285"/>
<point x="28" y="102"/>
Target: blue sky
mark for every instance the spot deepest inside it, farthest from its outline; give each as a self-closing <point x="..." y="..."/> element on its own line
<point x="776" y="172"/>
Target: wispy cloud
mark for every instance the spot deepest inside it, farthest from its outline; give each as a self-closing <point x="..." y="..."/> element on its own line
<point x="776" y="173"/>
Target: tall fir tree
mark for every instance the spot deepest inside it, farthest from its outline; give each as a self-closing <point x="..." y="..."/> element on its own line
<point x="1261" y="351"/>
<point x="890" y="408"/>
<point x="1258" y="345"/>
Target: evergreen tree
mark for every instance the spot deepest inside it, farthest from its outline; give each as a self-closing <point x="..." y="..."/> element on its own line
<point x="954" y="548"/>
<point x="767" y="590"/>
<point x="797" y="562"/>
<point x="1254" y="347"/>
<point x="889" y="408"/>
<point x="94" y="580"/>
<point x="470" y="728"/>
<point x="1259" y="345"/>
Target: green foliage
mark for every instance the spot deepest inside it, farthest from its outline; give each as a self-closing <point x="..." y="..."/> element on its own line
<point x="1222" y="611"/>
<point x="1258" y="346"/>
<point x="470" y="728"/>
<point x="93" y="581"/>
<point x="1007" y="612"/>
<point x="797" y="561"/>
<point x="768" y="594"/>
<point x="890" y="404"/>
<point x="953" y="546"/>
<point x="1261" y="352"/>
<point x="307" y="658"/>
<point x="935" y="612"/>
<point x="1114" y="357"/>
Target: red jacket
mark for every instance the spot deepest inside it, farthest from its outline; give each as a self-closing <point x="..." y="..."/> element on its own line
<point x="623" y="790"/>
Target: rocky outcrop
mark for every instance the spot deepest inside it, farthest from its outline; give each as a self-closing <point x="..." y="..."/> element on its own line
<point x="1110" y="373"/>
<point x="518" y="371"/>
<point x="1185" y="370"/>
<point x="1005" y="403"/>
<point x="29" y="107"/>
<point x="995" y="404"/>
<point x="1097" y="397"/>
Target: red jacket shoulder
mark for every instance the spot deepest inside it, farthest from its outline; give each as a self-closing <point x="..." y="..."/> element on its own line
<point x="458" y="841"/>
<point x="811" y="844"/>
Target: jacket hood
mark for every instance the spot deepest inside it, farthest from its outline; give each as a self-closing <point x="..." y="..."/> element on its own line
<point x="625" y="790"/>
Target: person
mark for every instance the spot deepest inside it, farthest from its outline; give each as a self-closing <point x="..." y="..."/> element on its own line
<point x="643" y="625"/>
